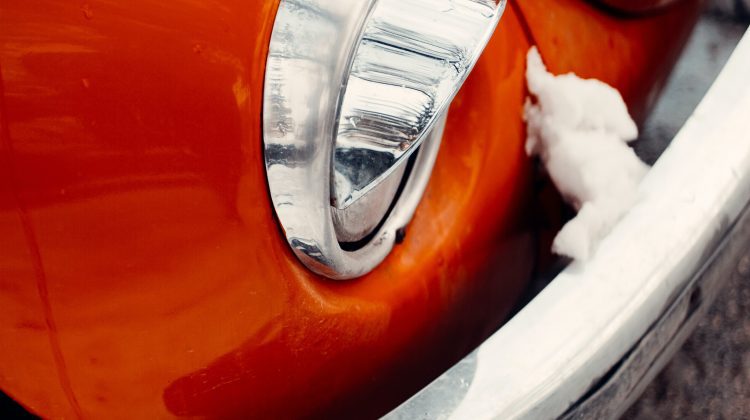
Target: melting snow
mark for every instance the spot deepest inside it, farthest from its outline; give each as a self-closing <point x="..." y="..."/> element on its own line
<point x="580" y="129"/>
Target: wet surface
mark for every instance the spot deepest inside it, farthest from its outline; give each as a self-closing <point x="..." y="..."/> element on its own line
<point x="709" y="378"/>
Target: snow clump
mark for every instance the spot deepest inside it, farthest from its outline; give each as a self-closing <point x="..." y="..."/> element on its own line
<point x="580" y="129"/>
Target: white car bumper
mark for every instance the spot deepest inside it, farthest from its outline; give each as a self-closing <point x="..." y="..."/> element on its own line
<point x="589" y="343"/>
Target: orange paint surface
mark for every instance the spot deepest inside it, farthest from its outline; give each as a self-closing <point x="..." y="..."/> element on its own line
<point x="635" y="54"/>
<point x="142" y="273"/>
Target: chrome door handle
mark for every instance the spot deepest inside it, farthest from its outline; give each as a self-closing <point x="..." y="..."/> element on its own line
<point x="352" y="88"/>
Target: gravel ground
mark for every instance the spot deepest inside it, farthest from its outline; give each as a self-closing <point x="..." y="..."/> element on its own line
<point x="710" y="377"/>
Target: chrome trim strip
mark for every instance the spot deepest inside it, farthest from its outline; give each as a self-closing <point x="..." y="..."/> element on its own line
<point x="551" y="354"/>
<point x="627" y="380"/>
<point x="411" y="59"/>
<point x="312" y="63"/>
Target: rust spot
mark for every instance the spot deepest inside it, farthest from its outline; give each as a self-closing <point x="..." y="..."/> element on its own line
<point x="400" y="235"/>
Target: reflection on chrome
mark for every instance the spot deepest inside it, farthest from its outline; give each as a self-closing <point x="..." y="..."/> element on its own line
<point x="412" y="59"/>
<point x="352" y="89"/>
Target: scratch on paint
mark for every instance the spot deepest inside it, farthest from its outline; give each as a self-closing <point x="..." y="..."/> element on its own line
<point x="6" y="156"/>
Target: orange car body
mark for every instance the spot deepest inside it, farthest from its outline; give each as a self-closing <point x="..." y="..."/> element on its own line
<point x="142" y="272"/>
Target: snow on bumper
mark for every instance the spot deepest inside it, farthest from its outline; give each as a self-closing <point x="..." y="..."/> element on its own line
<point x="589" y="342"/>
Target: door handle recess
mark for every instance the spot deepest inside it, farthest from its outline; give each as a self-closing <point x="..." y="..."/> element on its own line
<point x="352" y="89"/>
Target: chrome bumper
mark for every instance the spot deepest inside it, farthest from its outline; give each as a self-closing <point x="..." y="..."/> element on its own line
<point x="589" y="343"/>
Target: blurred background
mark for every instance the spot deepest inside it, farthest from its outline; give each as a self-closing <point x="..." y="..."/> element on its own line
<point x="710" y="377"/>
